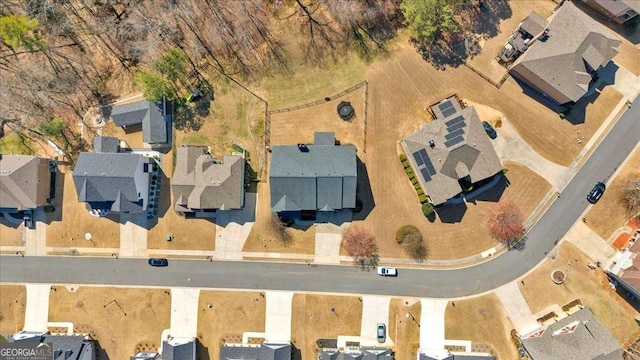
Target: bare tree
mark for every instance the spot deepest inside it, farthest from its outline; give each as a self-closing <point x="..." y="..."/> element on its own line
<point x="631" y="195"/>
<point x="278" y="229"/>
<point x="361" y="246"/>
<point x="505" y="222"/>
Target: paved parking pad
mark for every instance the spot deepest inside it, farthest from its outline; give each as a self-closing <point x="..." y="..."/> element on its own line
<point x="184" y="312"/>
<point x="375" y="309"/>
<point x="278" y="316"/>
<point x="432" y="323"/>
<point x="37" y="311"/>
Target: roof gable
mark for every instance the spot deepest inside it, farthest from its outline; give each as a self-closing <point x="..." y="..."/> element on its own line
<point x="24" y="181"/>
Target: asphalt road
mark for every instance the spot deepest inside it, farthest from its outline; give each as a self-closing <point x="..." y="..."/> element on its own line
<point x="505" y="268"/>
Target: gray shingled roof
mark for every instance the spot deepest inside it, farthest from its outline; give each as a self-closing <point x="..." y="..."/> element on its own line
<point x="147" y="113"/>
<point x="199" y="182"/>
<point x="105" y="144"/>
<point x="322" y="178"/>
<point x="179" y="349"/>
<point x="265" y="351"/>
<point x="81" y="348"/>
<point x="24" y="182"/>
<point x="364" y="353"/>
<point x="534" y="24"/>
<point x="584" y="338"/>
<point x="108" y="180"/>
<point x="473" y="155"/>
<point x="559" y="65"/>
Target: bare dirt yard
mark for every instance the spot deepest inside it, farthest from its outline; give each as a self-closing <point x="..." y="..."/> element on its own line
<point x="223" y="316"/>
<point x="13" y="299"/>
<point x="312" y="319"/>
<point x="492" y="43"/>
<point x="404" y="331"/>
<point x="262" y="239"/>
<point x="101" y="313"/>
<point x="73" y="222"/>
<point x="483" y="321"/>
<point x="590" y="286"/>
<point x="10" y="234"/>
<point x="611" y="203"/>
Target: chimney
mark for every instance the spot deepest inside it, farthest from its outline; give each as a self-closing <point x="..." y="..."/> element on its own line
<point x="67" y="353"/>
<point x="432" y="144"/>
<point x="303" y="148"/>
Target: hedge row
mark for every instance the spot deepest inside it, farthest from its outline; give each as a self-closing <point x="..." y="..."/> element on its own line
<point x="412" y="177"/>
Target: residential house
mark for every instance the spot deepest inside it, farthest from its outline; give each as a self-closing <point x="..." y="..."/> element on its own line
<point x="306" y="179"/>
<point x="617" y="11"/>
<point x="26" y="182"/>
<point x="451" y="153"/>
<point x="264" y="351"/>
<point x="357" y="353"/>
<point x="564" y="62"/>
<point x="154" y="117"/>
<point x="172" y="349"/>
<point x="577" y="336"/>
<point x="113" y="182"/>
<point x="626" y="268"/>
<point x="452" y="355"/>
<point x="63" y="347"/>
<point x="201" y="183"/>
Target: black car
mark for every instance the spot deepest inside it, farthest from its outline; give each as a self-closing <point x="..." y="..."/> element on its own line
<point x="596" y="192"/>
<point x="158" y="262"/>
<point x="490" y="130"/>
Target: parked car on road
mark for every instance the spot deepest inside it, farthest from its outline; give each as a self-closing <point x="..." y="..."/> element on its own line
<point x="382" y="333"/>
<point x="387" y="271"/>
<point x="489" y="130"/>
<point x="596" y="192"/>
<point x="158" y="262"/>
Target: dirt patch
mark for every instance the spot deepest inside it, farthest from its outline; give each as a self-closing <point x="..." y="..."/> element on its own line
<point x="404" y="331"/>
<point x="73" y="222"/>
<point x="314" y="319"/>
<point x="611" y="204"/>
<point x="10" y="234"/>
<point x="101" y="313"/>
<point x="483" y="321"/>
<point x="260" y="238"/>
<point x="226" y="315"/>
<point x="132" y="135"/>
<point x="591" y="286"/>
<point x="12" y="309"/>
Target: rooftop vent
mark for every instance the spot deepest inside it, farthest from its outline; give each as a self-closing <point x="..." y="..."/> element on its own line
<point x="303" y="148"/>
<point x="432" y="143"/>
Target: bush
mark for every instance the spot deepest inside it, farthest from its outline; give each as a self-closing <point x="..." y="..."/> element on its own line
<point x="408" y="170"/>
<point x="406" y="164"/>
<point x="414" y="181"/>
<point x="408" y="233"/>
<point x="49" y="208"/>
<point x="427" y="209"/>
<point x="420" y="191"/>
<point x="423" y="198"/>
<point x="504" y="171"/>
<point x="403" y="157"/>
<point x="417" y="186"/>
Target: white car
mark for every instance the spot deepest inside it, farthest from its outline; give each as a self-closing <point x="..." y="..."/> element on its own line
<point x="387" y="271"/>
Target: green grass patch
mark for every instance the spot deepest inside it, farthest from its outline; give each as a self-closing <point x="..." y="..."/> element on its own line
<point x="15" y="144"/>
<point x="196" y="139"/>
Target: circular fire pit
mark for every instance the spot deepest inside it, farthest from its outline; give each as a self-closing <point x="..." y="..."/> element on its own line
<point x="558" y="276"/>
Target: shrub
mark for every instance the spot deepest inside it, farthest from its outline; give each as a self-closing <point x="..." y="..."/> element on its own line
<point x="49" y="208"/>
<point x="423" y="198"/>
<point x="406" y="164"/>
<point x="427" y="209"/>
<point x="562" y="116"/>
<point x="420" y="191"/>
<point x="414" y="181"/>
<point x="403" y="157"/>
<point x="408" y="170"/>
<point x="417" y="186"/>
<point x="504" y="171"/>
<point x="408" y="233"/>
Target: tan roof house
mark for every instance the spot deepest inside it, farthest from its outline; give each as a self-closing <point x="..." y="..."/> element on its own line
<point x="564" y="61"/>
<point x="201" y="183"/>
<point x="25" y="182"/>
<point x="450" y="151"/>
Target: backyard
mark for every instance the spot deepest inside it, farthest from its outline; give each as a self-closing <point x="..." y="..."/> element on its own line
<point x="590" y="286"/>
<point x="223" y="316"/>
<point x="123" y="320"/>
<point x="12" y="307"/>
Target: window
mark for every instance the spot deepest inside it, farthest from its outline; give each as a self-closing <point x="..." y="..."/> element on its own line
<point x="146" y="167"/>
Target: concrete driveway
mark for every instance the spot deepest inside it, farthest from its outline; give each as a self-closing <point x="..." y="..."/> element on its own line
<point x="35" y="240"/>
<point x="516" y="307"/>
<point x="184" y="312"/>
<point x="375" y="309"/>
<point x="432" y="323"/>
<point x="233" y="228"/>
<point x="133" y="235"/>
<point x="277" y="325"/>
<point x="328" y="240"/>
<point x="37" y="310"/>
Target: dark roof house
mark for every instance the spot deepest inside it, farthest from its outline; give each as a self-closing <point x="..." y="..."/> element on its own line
<point x="563" y="62"/>
<point x="577" y="336"/>
<point x="264" y="351"/>
<point x="618" y="11"/>
<point x="448" y="150"/>
<point x="105" y="144"/>
<point x="64" y="347"/>
<point x="202" y="183"/>
<point x="360" y="353"/>
<point x="319" y="177"/>
<point x="25" y="182"/>
<point x="179" y="349"/>
<point x="154" y="117"/>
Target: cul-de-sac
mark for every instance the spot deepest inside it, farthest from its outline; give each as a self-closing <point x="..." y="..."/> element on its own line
<point x="320" y="180"/>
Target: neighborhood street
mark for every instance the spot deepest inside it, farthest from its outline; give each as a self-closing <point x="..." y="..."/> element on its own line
<point x="505" y="268"/>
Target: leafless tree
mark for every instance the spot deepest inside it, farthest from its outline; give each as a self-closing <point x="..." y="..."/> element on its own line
<point x="631" y="195"/>
<point x="361" y="246"/>
<point x="505" y="222"/>
<point x="278" y="229"/>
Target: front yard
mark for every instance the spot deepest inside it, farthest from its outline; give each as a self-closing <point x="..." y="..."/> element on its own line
<point x="12" y="308"/>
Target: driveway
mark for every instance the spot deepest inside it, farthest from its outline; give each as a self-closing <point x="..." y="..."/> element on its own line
<point x="591" y="243"/>
<point x="516" y="307"/>
<point x="37" y="311"/>
<point x="375" y="309"/>
<point x="277" y="325"/>
<point x="233" y="228"/>
<point x="432" y="323"/>
<point x="328" y="240"/>
<point x="36" y="239"/>
<point x="184" y="312"/>
<point x="133" y="235"/>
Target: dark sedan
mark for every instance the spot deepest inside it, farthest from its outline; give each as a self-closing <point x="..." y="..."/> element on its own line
<point x="158" y="262"/>
<point x="489" y="130"/>
<point x="596" y="192"/>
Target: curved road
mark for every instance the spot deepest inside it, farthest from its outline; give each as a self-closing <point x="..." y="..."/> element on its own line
<point x="505" y="268"/>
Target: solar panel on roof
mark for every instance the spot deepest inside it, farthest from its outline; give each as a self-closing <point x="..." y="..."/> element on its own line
<point x="428" y="164"/>
<point x="456" y="126"/>
<point x="450" y="111"/>
<point x="453" y="134"/>
<point x="455" y="120"/>
<point x="445" y="105"/>
<point x="453" y="141"/>
<point x="425" y="175"/>
<point x="418" y="158"/>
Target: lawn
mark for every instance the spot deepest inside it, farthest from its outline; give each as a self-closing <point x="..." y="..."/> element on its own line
<point x="12" y="307"/>
<point x="101" y="313"/>
<point x="13" y="143"/>
<point x="230" y="314"/>
<point x="312" y="319"/>
<point x="590" y="286"/>
<point x="404" y="332"/>
<point x="483" y="321"/>
<point x="611" y="204"/>
<point x="10" y="234"/>
<point x="73" y="222"/>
